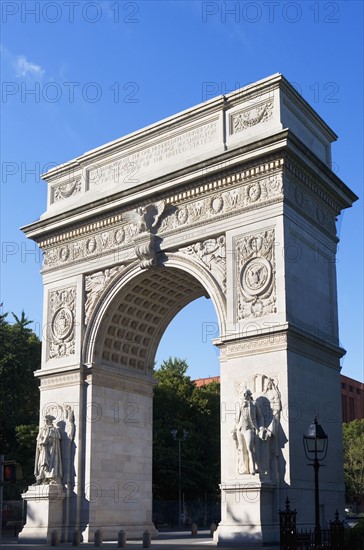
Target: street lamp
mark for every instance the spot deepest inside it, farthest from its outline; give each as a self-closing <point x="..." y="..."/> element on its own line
<point x="179" y="439"/>
<point x="315" y="443"/>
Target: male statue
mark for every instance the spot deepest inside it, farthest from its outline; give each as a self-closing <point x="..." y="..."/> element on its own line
<point x="48" y="463"/>
<point x="247" y="426"/>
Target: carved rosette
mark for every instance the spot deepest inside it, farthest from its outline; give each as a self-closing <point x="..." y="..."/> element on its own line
<point x="251" y="117"/>
<point x="95" y="284"/>
<point x="61" y="329"/>
<point x="255" y="275"/>
<point x="212" y="253"/>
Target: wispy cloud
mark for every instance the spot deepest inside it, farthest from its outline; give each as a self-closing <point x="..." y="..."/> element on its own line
<point x="23" y="67"/>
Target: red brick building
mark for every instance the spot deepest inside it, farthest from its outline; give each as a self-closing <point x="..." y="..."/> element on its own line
<point x="352" y="396"/>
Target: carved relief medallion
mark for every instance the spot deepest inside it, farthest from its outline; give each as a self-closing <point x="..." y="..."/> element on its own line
<point x="255" y="275"/>
<point x="61" y="329"/>
<point x="62" y="323"/>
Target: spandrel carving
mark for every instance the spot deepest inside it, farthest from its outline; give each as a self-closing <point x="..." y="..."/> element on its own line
<point x="212" y="253"/>
<point x="95" y="284"/>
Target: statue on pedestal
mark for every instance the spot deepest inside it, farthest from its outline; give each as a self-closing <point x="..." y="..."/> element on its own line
<point x="48" y="461"/>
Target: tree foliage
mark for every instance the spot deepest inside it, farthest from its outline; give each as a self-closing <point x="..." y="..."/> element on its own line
<point x="20" y="356"/>
<point x="353" y="439"/>
<point x="180" y="405"/>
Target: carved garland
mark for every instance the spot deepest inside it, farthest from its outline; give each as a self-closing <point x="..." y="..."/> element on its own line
<point x="251" y="117"/>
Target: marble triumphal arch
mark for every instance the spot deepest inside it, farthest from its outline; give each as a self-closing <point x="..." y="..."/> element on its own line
<point x="235" y="200"/>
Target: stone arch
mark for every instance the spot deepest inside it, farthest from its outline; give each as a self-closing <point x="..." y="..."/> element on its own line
<point x="133" y="313"/>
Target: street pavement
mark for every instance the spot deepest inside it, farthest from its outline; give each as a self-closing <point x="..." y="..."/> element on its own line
<point x="176" y="540"/>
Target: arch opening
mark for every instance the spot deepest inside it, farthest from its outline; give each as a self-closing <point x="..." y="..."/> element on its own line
<point x="121" y="344"/>
<point x="134" y="315"/>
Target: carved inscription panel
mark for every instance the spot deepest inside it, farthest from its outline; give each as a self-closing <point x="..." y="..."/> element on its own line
<point x="128" y="169"/>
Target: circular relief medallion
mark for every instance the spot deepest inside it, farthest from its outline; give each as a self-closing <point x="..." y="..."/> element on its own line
<point x="217" y="204"/>
<point x="254" y="192"/>
<point x="182" y="215"/>
<point x="119" y="235"/>
<point x="64" y="253"/>
<point x="62" y="323"/>
<point x="274" y="183"/>
<point x="298" y="197"/>
<point x="256" y="276"/>
<point x="320" y="216"/>
<point x="91" y="245"/>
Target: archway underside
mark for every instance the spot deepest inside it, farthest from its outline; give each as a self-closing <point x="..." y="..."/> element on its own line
<point x="137" y="317"/>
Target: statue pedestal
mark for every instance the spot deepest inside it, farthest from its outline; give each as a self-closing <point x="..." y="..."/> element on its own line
<point x="44" y="513"/>
<point x="248" y="519"/>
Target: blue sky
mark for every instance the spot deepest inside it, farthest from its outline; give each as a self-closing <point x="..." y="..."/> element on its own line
<point x="76" y="75"/>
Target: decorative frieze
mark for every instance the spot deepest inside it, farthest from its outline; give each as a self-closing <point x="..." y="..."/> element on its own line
<point x="253" y="345"/>
<point x="61" y="328"/>
<point x="60" y="380"/>
<point x="224" y="203"/>
<point x="310" y="207"/>
<point x="255" y="275"/>
<point x="251" y="116"/>
<point x="90" y="247"/>
<point x="226" y="197"/>
<point x="144" y="220"/>
<point x="212" y="253"/>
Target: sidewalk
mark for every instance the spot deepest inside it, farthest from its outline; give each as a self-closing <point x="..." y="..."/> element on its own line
<point x="176" y="540"/>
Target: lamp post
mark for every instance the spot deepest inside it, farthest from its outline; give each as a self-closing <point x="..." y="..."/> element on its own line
<point x="315" y="443"/>
<point x="174" y="433"/>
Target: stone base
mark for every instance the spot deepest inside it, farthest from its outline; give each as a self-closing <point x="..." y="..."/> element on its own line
<point x="44" y="513"/>
<point x="133" y="532"/>
<point x="249" y="515"/>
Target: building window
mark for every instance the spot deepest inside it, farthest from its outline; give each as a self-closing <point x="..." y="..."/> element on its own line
<point x="351" y="408"/>
<point x="344" y="405"/>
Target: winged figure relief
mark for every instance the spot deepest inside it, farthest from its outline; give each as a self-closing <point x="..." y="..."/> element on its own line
<point x="94" y="285"/>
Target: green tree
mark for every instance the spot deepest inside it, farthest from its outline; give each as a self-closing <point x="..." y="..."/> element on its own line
<point x="180" y="405"/>
<point x="353" y="439"/>
<point x="20" y="356"/>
